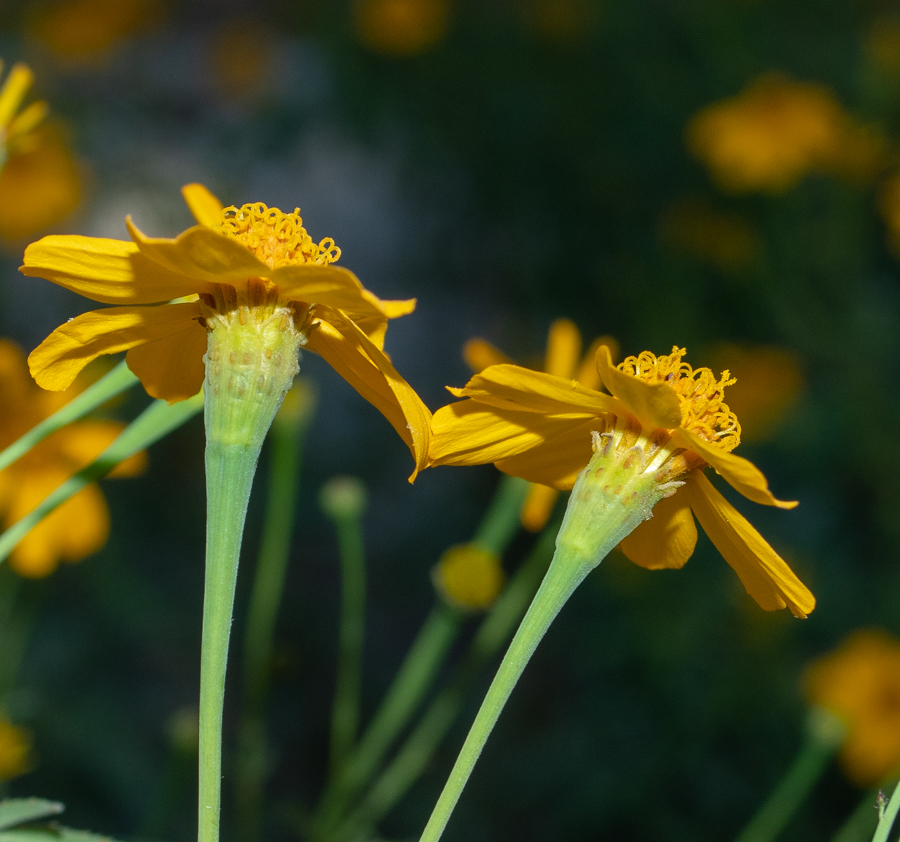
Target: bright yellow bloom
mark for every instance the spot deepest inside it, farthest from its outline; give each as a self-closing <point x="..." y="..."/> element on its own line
<point x="671" y="417"/>
<point x="771" y="135"/>
<point x="15" y="749"/>
<point x="80" y="526"/>
<point x="236" y="262"/>
<point x="469" y="577"/>
<point x="401" y="27"/>
<point x="563" y="359"/>
<point x="860" y="683"/>
<point x="16" y="127"/>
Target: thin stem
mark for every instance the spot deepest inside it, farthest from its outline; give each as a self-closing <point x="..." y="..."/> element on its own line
<point x="285" y="454"/>
<point x="824" y="735"/>
<point x="229" y="477"/>
<point x="886" y="821"/>
<point x="566" y="572"/>
<point x="345" y="709"/>
<point x="501" y="522"/>
<point x="396" y="779"/>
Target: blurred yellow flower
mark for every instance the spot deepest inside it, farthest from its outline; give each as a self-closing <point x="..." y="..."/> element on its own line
<point x="17" y="124"/>
<point x="769" y="381"/>
<point x="15" y="750"/>
<point x="241" y="58"/>
<point x="251" y="262"/>
<point x="563" y="359"/>
<point x="38" y="187"/>
<point x="882" y="45"/>
<point x="469" y="577"/>
<point x="775" y="132"/>
<point x="860" y="683"/>
<point x="717" y="237"/>
<point x="84" y="32"/>
<point x="79" y="526"/>
<point x="401" y="27"/>
<point x="660" y="411"/>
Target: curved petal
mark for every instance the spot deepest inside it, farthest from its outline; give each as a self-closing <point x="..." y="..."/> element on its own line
<point x="366" y="368"/>
<point x="741" y="474"/>
<point x="80" y="443"/>
<point x="205" y="207"/>
<point x="762" y="571"/>
<point x="524" y="390"/>
<point x="563" y="349"/>
<point x="55" y="363"/>
<point x="538" y="506"/>
<point x="655" y="405"/>
<point x="470" y="433"/>
<point x="332" y="286"/>
<point x="201" y="253"/>
<point x="171" y="369"/>
<point x="479" y="354"/>
<point x="111" y="271"/>
<point x="665" y="540"/>
<point x="558" y="460"/>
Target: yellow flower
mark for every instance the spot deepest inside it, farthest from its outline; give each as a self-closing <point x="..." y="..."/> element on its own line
<point x="401" y="27"/>
<point x="85" y="32"/>
<point x="15" y="749"/>
<point x="80" y="526"/>
<point x="770" y="136"/>
<point x="469" y="577"/>
<point x="235" y="262"/>
<point x="16" y="127"/>
<point x="563" y="359"/>
<point x="662" y="412"/>
<point x="860" y="683"/>
<point x="39" y="186"/>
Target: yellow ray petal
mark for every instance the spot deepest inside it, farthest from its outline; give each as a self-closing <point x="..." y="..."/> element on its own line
<point x="470" y="433"/>
<point x="563" y="349"/>
<point x="366" y="368"/>
<point x="79" y="444"/>
<point x="201" y="253"/>
<point x="205" y="207"/>
<point x="741" y="474"/>
<point x="558" y="460"/>
<point x="479" y="354"/>
<point x="13" y="91"/>
<point x="524" y="390"/>
<point x="655" y="405"/>
<point x="55" y="363"/>
<point x="667" y="539"/>
<point x="171" y="369"/>
<point x="27" y="119"/>
<point x="332" y="286"/>
<point x="538" y="506"/>
<point x="111" y="271"/>
<point x="763" y="572"/>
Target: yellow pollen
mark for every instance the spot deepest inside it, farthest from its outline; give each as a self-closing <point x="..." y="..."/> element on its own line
<point x="276" y="238"/>
<point x="699" y="393"/>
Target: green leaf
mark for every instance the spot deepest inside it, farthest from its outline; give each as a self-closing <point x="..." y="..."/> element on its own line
<point x="51" y="833"/>
<point x="150" y="426"/>
<point x="15" y="811"/>
<point x="107" y="387"/>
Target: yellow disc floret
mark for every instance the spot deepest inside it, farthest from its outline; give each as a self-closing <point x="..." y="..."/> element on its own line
<point x="276" y="238"/>
<point x="699" y="392"/>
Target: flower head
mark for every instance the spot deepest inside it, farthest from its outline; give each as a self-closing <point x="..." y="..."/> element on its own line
<point x="80" y="526"/>
<point x="665" y="419"/>
<point x="17" y="126"/>
<point x="860" y="683"/>
<point x="251" y="263"/>
<point x="469" y="577"/>
<point x="15" y="749"/>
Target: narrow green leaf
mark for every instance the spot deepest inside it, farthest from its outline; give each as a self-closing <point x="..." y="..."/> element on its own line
<point x="15" y="811"/>
<point x="106" y="388"/>
<point x="150" y="426"/>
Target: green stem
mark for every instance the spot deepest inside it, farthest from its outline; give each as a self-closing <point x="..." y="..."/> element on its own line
<point x="502" y="520"/>
<point x="345" y="509"/>
<point x="285" y="454"/>
<point x="886" y="820"/>
<point x="396" y="779"/>
<point x="824" y="735"/>
<point x="229" y="478"/>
